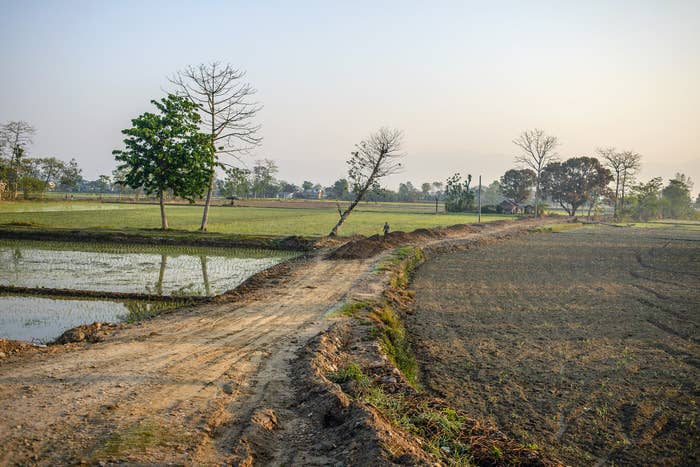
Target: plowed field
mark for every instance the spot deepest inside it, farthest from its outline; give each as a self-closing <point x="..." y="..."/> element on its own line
<point x="584" y="342"/>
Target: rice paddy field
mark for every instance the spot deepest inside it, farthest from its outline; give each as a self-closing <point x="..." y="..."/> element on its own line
<point x="157" y="270"/>
<point x="583" y="342"/>
<point x="43" y="319"/>
<point x="178" y="271"/>
<point x="276" y="218"/>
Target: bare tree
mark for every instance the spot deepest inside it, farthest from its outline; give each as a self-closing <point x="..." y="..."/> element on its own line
<point x="224" y="102"/>
<point x="538" y="150"/>
<point x="375" y="158"/>
<point x="15" y="136"/>
<point x="631" y="162"/>
<point x="614" y="161"/>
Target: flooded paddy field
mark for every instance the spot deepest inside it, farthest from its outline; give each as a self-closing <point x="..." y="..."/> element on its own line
<point x="43" y="319"/>
<point x="584" y="343"/>
<point x="157" y="270"/>
<point x="166" y="271"/>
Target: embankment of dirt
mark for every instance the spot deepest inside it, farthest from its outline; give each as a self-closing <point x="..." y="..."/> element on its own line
<point x="366" y="247"/>
<point x="94" y="332"/>
<point x="9" y="347"/>
<point x="354" y="369"/>
<point x="156" y="237"/>
<point x="342" y="430"/>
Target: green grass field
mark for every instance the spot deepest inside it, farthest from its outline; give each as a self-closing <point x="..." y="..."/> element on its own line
<point x="229" y="220"/>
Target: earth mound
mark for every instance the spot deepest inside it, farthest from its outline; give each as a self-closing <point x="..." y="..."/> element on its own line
<point x="366" y="247"/>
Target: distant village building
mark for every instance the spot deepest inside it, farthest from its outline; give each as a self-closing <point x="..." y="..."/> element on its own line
<point x="509" y="207"/>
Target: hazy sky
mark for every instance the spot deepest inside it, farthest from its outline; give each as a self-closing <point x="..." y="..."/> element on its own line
<point x="462" y="79"/>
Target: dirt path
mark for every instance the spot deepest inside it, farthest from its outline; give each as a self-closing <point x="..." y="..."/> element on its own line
<point x="166" y="385"/>
<point x="182" y="388"/>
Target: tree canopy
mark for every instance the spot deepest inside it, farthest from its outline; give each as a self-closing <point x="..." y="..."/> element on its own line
<point x="676" y="198"/>
<point x="516" y="185"/>
<point x="458" y="195"/>
<point x="574" y="182"/>
<point x="165" y="151"/>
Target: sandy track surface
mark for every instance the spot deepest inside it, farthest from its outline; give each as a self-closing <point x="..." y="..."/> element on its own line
<point x="171" y="378"/>
<point x="182" y="388"/>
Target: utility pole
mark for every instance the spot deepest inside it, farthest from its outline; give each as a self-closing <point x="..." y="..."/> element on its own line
<point x="479" y="199"/>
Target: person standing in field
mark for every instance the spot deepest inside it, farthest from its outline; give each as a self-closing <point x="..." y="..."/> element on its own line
<point x="386" y="228"/>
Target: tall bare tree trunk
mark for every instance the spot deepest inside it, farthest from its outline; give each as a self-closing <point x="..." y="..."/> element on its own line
<point x="163" y="219"/>
<point x="617" y="193"/>
<point x="223" y="102"/>
<point x="205" y="215"/>
<point x="622" y="199"/>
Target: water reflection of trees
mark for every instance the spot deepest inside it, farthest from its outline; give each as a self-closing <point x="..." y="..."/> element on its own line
<point x="183" y="290"/>
<point x="205" y="274"/>
<point x="140" y="310"/>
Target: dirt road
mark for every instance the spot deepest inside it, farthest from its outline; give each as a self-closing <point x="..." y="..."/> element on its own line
<point x="158" y="391"/>
<point x="184" y="387"/>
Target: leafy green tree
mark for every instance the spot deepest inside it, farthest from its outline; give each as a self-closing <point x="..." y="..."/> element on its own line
<point x="408" y="193"/>
<point x="15" y="136"/>
<point x="71" y="175"/>
<point x="516" y="185"/>
<point x="288" y="188"/>
<point x="50" y="169"/>
<point x="574" y="182"/>
<point x="491" y="194"/>
<point x="341" y="189"/>
<point x="458" y="195"/>
<point x="264" y="182"/>
<point x="644" y="203"/>
<point x="165" y="151"/>
<point x="104" y="182"/>
<point x="237" y="183"/>
<point x="675" y="197"/>
<point x="31" y="186"/>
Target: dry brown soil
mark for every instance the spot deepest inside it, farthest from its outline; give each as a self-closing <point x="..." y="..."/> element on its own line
<point x="195" y="386"/>
<point x="583" y="342"/>
<point x="159" y="391"/>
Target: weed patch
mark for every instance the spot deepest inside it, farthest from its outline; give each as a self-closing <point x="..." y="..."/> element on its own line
<point x="138" y="438"/>
<point x="392" y="337"/>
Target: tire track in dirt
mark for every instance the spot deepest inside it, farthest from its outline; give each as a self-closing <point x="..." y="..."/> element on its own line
<point x="177" y="370"/>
